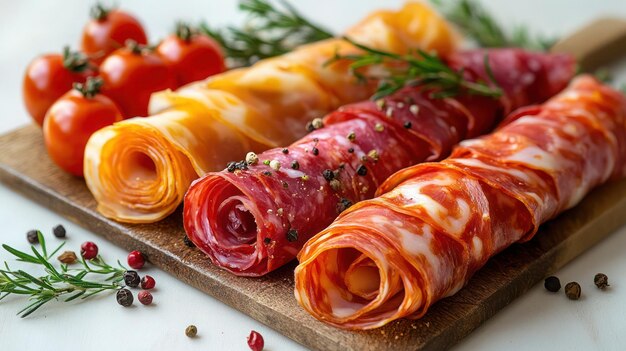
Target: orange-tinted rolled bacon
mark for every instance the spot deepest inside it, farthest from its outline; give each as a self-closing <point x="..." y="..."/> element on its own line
<point x="255" y="220"/>
<point x="437" y="223"/>
<point x="138" y="170"/>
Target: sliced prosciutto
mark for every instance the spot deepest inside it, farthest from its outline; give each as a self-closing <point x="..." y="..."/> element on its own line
<point x="252" y="219"/>
<point x="438" y="223"/>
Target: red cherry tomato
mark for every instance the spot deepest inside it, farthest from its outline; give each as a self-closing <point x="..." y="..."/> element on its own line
<point x="50" y="76"/>
<point x="72" y="120"/>
<point x="108" y="31"/>
<point x="191" y="55"/>
<point x="131" y="75"/>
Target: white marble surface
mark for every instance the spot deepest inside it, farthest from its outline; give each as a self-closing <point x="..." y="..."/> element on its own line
<point x="537" y="320"/>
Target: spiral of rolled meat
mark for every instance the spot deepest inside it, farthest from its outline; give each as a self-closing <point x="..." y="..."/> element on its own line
<point x="251" y="221"/>
<point x="436" y="224"/>
<point x="138" y="170"/>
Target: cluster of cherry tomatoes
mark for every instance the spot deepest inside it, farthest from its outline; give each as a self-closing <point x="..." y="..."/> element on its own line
<point x="73" y="94"/>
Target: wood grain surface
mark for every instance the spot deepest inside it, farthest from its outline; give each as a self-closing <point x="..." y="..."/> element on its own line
<point x="25" y="166"/>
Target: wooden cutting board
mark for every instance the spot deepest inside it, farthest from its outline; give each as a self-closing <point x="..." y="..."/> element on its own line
<point x="25" y="166"/>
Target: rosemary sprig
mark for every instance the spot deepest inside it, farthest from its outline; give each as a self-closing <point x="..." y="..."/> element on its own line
<point x="423" y="69"/>
<point x="269" y="31"/>
<point x="475" y="21"/>
<point x="63" y="282"/>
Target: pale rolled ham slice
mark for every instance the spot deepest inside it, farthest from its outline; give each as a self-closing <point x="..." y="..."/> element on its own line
<point x="251" y="221"/>
<point x="138" y="170"/>
<point x="436" y="224"/>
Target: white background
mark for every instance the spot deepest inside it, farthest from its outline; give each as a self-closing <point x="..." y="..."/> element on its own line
<point x="538" y="320"/>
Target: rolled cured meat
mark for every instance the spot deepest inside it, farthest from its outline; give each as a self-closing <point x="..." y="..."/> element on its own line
<point x="437" y="223"/>
<point x="138" y="170"/>
<point x="253" y="220"/>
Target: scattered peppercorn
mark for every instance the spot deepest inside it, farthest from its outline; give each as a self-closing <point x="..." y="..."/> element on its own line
<point x="335" y="185"/>
<point x="414" y="109"/>
<point x="136" y="259"/>
<point x="351" y="150"/>
<point x="233" y="166"/>
<point x="552" y="284"/>
<point x="292" y="235"/>
<point x="361" y="170"/>
<point x="145" y="297"/>
<point x="315" y="151"/>
<point x="572" y="290"/>
<point x="389" y="112"/>
<point x="295" y="165"/>
<point x="285" y="151"/>
<point x="305" y="177"/>
<point x="267" y="162"/>
<point x="267" y="173"/>
<point x="124" y="297"/>
<point x="252" y="158"/>
<point x="285" y="184"/>
<point x="380" y="103"/>
<point x="255" y="341"/>
<point x="131" y="278"/>
<point x="601" y="281"/>
<point x="275" y="165"/>
<point x="147" y="282"/>
<point x="379" y="127"/>
<point x="267" y="241"/>
<point x="351" y="136"/>
<point x="188" y="241"/>
<point x="32" y="236"/>
<point x="373" y="154"/>
<point x="408" y="124"/>
<point x="328" y="174"/>
<point x="68" y="257"/>
<point x="89" y="250"/>
<point x="191" y="331"/>
<point x="309" y="127"/>
<point x="343" y="204"/>
<point x="59" y="231"/>
<point x="317" y="123"/>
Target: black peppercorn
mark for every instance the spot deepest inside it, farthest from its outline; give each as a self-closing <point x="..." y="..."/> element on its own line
<point x="188" y="241"/>
<point x="408" y="124"/>
<point x="601" y="281"/>
<point x="124" y="297"/>
<point x="267" y="173"/>
<point x="309" y="127"/>
<point x="33" y="236"/>
<point x="295" y="165"/>
<point x="285" y="185"/>
<point x="285" y="151"/>
<point x="572" y="290"/>
<point x="315" y="151"/>
<point x="361" y="170"/>
<point x="267" y="241"/>
<point x="231" y="167"/>
<point x="132" y="279"/>
<point x="292" y="235"/>
<point x="351" y="150"/>
<point x="552" y="284"/>
<point x="343" y="204"/>
<point x="328" y="174"/>
<point x="59" y="231"/>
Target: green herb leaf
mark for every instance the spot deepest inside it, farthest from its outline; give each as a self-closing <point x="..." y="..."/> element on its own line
<point x="55" y="284"/>
<point x="420" y="69"/>
<point x="269" y="31"/>
<point x="475" y="21"/>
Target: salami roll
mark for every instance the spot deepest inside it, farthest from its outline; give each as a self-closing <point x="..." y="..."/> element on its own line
<point x="436" y="224"/>
<point x="253" y="218"/>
